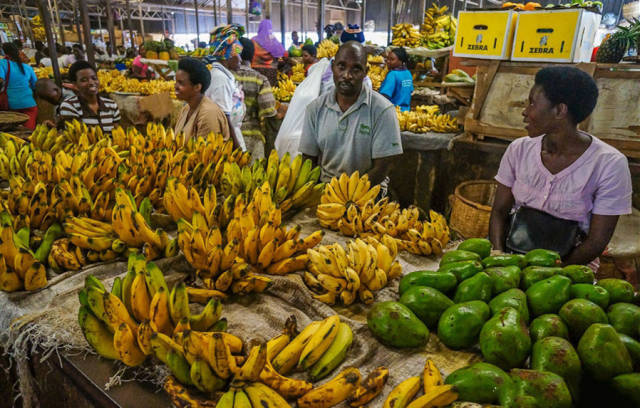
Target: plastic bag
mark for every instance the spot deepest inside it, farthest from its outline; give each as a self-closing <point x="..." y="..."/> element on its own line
<point x="256" y="8"/>
<point x="290" y="131"/>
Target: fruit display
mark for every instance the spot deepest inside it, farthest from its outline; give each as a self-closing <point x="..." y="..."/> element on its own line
<point x="346" y="275"/>
<point x="615" y="45"/>
<point x="405" y="35"/>
<point x="518" y="308"/>
<point x="47" y="72"/>
<point x="327" y="49"/>
<point x="375" y="59"/>
<point x="426" y="118"/>
<point x="458" y="75"/>
<point x="116" y="81"/>
<point x="521" y="6"/>
<point x="438" y="29"/>
<point x="284" y="90"/>
<point x="349" y="205"/>
<point x="377" y="73"/>
<point x="430" y="384"/>
<point x="298" y="73"/>
<point x="37" y="27"/>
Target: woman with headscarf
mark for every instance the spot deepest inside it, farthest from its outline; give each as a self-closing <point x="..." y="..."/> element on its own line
<point x="267" y="47"/>
<point x="224" y="89"/>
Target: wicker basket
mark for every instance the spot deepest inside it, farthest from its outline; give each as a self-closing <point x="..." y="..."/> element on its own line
<point x="471" y="208"/>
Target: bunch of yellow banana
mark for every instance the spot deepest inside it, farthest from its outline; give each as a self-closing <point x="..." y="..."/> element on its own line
<point x="426" y="119"/>
<point x="438" y="28"/>
<point x="47" y="72"/>
<point x="375" y="59"/>
<point x="38" y="28"/>
<point x="67" y="256"/>
<point x="115" y="81"/>
<point x="377" y="73"/>
<point x="327" y="49"/>
<point x="405" y="35"/>
<point x="284" y="90"/>
<point x="343" y="193"/>
<point x="15" y="157"/>
<point x="90" y="234"/>
<point x="298" y="73"/>
<point x="363" y="268"/>
<point x="436" y="393"/>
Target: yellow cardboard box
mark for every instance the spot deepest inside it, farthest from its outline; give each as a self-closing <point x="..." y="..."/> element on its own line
<point x="486" y="34"/>
<point x="555" y="35"/>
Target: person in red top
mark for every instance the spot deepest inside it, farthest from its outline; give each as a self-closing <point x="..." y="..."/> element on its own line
<point x="138" y="68"/>
<point x="267" y="47"/>
<point x="309" y="57"/>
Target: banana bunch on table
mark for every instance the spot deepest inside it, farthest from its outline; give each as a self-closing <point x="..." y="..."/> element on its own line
<point x="298" y="73"/>
<point x="284" y="89"/>
<point x="405" y="35"/>
<point x="15" y="156"/>
<point x="426" y="118"/>
<point x="377" y="73"/>
<point x="140" y="315"/>
<point x="438" y="29"/>
<point x="365" y="267"/>
<point x="436" y="393"/>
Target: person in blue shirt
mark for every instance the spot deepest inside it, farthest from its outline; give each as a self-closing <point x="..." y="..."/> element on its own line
<point x="398" y="84"/>
<point x="20" y="84"/>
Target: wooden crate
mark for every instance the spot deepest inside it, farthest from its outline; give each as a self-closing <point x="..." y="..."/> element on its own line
<point x="502" y="90"/>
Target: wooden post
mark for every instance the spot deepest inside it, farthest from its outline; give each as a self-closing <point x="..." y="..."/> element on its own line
<point x="112" y="35"/>
<point x="246" y="17"/>
<point x="391" y="14"/>
<point x="229" y="12"/>
<point x="60" y="26"/>
<point x="320" y="19"/>
<point x="53" y="54"/>
<point x="129" y="24"/>
<point x="363" y="14"/>
<point x="122" y="32"/>
<point x="267" y="9"/>
<point x="195" y="5"/>
<point x="283" y="20"/>
<point x="164" y="27"/>
<point x="141" y="22"/>
<point x="88" y="44"/>
<point x="303" y="34"/>
<point x="76" y="16"/>
<point x="215" y="13"/>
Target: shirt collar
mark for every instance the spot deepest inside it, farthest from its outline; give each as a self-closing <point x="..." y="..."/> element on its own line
<point x="363" y="99"/>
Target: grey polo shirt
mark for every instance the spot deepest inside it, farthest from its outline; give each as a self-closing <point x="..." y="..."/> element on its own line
<point x="349" y="141"/>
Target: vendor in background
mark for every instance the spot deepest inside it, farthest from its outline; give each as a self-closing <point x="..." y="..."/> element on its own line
<point x="47" y="90"/>
<point x="259" y="102"/>
<point x="138" y="68"/>
<point x="224" y="89"/>
<point x="86" y="105"/>
<point x="200" y="115"/>
<point x="39" y="54"/>
<point x="309" y="57"/>
<point x="294" y="38"/>
<point x="23" y="57"/>
<point x="351" y="128"/>
<point x="352" y="33"/>
<point x="19" y="80"/>
<point x="398" y="84"/>
<point x="561" y="171"/>
<point x="267" y="47"/>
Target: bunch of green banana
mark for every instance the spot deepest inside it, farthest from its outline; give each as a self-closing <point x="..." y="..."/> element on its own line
<point x="438" y="29"/>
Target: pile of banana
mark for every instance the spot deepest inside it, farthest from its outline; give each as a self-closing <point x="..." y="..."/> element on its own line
<point x="115" y="81"/>
<point x="375" y="59"/>
<point x="297" y="74"/>
<point x="14" y="156"/>
<point x="47" y="72"/>
<point x="438" y="29"/>
<point x="363" y="268"/>
<point x="405" y="35"/>
<point x="327" y="49"/>
<point x="349" y="205"/>
<point x="294" y="184"/>
<point x="139" y="316"/>
<point x="426" y="118"/>
<point x="436" y="393"/>
<point x="377" y="73"/>
<point x="284" y="90"/>
<point x="37" y="28"/>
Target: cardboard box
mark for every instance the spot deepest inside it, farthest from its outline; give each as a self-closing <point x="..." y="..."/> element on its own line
<point x="555" y="35"/>
<point x="485" y="34"/>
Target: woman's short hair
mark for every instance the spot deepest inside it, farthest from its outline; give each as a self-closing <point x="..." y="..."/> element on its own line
<point x="78" y="66"/>
<point x="401" y="53"/>
<point x="312" y="50"/>
<point x="197" y="71"/>
<point x="571" y="86"/>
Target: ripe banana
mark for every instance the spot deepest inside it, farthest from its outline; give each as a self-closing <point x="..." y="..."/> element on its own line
<point x="403" y="393"/>
<point x="371" y="388"/>
<point x="333" y="392"/>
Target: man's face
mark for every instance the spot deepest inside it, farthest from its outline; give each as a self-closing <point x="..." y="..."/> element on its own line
<point x="349" y="71"/>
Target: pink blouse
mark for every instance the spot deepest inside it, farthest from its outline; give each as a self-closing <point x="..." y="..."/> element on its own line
<point x="598" y="182"/>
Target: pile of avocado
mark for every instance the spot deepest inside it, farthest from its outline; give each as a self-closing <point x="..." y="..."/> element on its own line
<point x="542" y="329"/>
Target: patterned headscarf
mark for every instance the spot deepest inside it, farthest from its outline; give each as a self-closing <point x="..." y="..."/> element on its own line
<point x="224" y="42"/>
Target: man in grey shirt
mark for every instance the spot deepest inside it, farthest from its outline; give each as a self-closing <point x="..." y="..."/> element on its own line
<point x="354" y="127"/>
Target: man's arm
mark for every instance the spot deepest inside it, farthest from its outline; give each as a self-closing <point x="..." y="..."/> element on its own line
<point x="600" y="233"/>
<point x="381" y="169"/>
<point x="502" y="205"/>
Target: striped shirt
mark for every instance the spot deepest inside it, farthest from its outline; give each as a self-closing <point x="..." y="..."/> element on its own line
<point x="107" y="118"/>
<point x="258" y="99"/>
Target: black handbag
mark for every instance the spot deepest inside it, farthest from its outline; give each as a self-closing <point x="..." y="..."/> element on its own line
<point x="531" y="229"/>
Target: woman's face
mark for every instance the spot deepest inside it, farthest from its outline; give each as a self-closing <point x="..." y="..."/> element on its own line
<point x="307" y="58"/>
<point x="185" y="90"/>
<point x="87" y="82"/>
<point x="539" y="115"/>
<point x="393" y="61"/>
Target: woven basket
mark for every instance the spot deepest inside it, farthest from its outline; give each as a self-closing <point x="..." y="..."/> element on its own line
<point x="471" y="208"/>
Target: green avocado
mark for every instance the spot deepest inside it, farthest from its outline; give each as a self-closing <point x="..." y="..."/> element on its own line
<point x="460" y="325"/>
<point x="557" y="355"/>
<point x="514" y="298"/>
<point x="427" y="303"/>
<point x="628" y="386"/>
<point x="463" y="269"/>
<point x="542" y="257"/>
<point x="533" y="274"/>
<point x="457" y="256"/>
<point x="602" y="353"/>
<point x="504" y="260"/>
<point x="548" y="295"/>
<point x="504" y="278"/>
<point x="534" y="389"/>
<point x="477" y="287"/>
<point x="633" y="347"/>
<point x="395" y="325"/>
<point x="619" y="290"/>
<point x="578" y="273"/>
<point x="445" y="282"/>
<point x="594" y="293"/>
<point x="480" y="246"/>
<point x="579" y="314"/>
<point x="548" y="325"/>
<point x="625" y="318"/>
<point x="504" y="339"/>
<point x="480" y="383"/>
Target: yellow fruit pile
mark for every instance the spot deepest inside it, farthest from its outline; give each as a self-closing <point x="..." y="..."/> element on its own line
<point x="327" y="49"/>
<point x="47" y="72"/>
<point x="349" y="205"/>
<point x="298" y="74"/>
<point x="283" y="92"/>
<point x="405" y="35"/>
<point x="115" y="81"/>
<point x="37" y="26"/>
<point x="438" y="29"/>
<point x="19" y="267"/>
<point x="426" y="118"/>
<point x="363" y="268"/>
<point x="375" y="59"/>
<point x="377" y="73"/>
<point x="436" y="393"/>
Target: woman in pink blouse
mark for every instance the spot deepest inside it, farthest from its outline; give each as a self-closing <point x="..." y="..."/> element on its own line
<point x="561" y="170"/>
